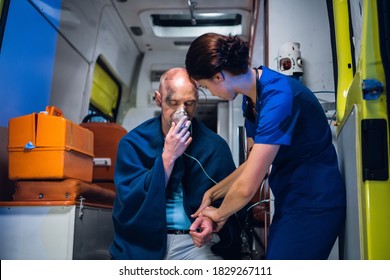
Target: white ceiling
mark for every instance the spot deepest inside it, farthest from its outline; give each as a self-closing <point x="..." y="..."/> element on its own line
<point x="136" y="13"/>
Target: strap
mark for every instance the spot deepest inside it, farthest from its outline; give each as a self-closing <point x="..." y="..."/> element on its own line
<point x="178" y="231"/>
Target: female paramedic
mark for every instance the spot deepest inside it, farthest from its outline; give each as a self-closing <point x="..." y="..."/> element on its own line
<point x="291" y="140"/>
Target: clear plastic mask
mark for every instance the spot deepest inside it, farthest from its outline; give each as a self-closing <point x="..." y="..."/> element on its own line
<point x="178" y="115"/>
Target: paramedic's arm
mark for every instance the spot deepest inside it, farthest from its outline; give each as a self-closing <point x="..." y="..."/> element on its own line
<point x="220" y="189"/>
<point x="243" y="189"/>
<point x="249" y="146"/>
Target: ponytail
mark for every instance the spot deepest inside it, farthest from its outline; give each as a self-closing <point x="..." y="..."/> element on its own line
<point x="211" y="53"/>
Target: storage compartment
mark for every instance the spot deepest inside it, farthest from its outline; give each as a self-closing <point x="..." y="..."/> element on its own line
<point x="64" y="190"/>
<point x="30" y="231"/>
<point x="106" y="140"/>
<point x="48" y="146"/>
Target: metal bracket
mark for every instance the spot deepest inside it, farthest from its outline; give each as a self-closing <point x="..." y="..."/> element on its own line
<point x="102" y="161"/>
<point x="81" y="213"/>
<point x="191" y="5"/>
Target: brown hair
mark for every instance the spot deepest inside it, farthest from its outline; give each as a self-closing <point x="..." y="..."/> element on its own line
<point x="211" y="53"/>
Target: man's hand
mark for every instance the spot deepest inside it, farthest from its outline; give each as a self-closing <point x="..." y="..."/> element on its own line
<point x="176" y="142"/>
<point x="201" y="231"/>
<point x="177" y="139"/>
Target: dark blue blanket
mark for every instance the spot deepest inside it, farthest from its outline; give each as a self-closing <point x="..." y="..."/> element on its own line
<point x="139" y="210"/>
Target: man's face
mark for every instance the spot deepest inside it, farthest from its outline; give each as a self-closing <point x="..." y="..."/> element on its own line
<point x="178" y="93"/>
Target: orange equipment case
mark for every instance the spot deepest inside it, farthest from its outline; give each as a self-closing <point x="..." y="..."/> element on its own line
<point x="48" y="146"/>
<point x="106" y="140"/>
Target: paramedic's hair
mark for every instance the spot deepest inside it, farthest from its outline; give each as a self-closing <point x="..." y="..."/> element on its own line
<point x="211" y="53"/>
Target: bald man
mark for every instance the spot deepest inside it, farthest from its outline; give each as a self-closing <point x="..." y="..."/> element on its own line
<point x="163" y="168"/>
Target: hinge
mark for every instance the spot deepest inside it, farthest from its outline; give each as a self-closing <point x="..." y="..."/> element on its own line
<point x="81" y="213"/>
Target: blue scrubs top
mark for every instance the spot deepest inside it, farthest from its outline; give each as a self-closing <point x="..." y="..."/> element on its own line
<point x="304" y="174"/>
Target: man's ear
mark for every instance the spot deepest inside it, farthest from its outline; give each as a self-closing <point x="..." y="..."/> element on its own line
<point x="157" y="97"/>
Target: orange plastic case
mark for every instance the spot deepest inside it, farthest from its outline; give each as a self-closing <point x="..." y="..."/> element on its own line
<point x="48" y="146"/>
<point x="106" y="140"/>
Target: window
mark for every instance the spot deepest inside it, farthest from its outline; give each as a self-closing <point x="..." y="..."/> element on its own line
<point x="105" y="92"/>
<point x="4" y="4"/>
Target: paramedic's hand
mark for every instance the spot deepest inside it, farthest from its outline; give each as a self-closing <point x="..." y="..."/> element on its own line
<point x="206" y="201"/>
<point x="177" y="139"/>
<point x="212" y="213"/>
<point x="201" y="231"/>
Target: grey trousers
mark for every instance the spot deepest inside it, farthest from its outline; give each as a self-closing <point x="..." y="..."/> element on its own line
<point x="181" y="247"/>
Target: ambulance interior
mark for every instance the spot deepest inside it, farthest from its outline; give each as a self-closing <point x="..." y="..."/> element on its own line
<point x="98" y="64"/>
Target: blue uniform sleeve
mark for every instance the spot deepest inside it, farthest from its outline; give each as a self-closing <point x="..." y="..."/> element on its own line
<point x="278" y="116"/>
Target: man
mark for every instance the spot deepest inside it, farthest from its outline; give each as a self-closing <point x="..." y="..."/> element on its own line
<point x="163" y="169"/>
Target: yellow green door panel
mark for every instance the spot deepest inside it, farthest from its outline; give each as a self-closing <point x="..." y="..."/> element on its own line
<point x="373" y="191"/>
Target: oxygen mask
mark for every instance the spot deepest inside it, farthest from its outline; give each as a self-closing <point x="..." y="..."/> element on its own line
<point x="178" y="115"/>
